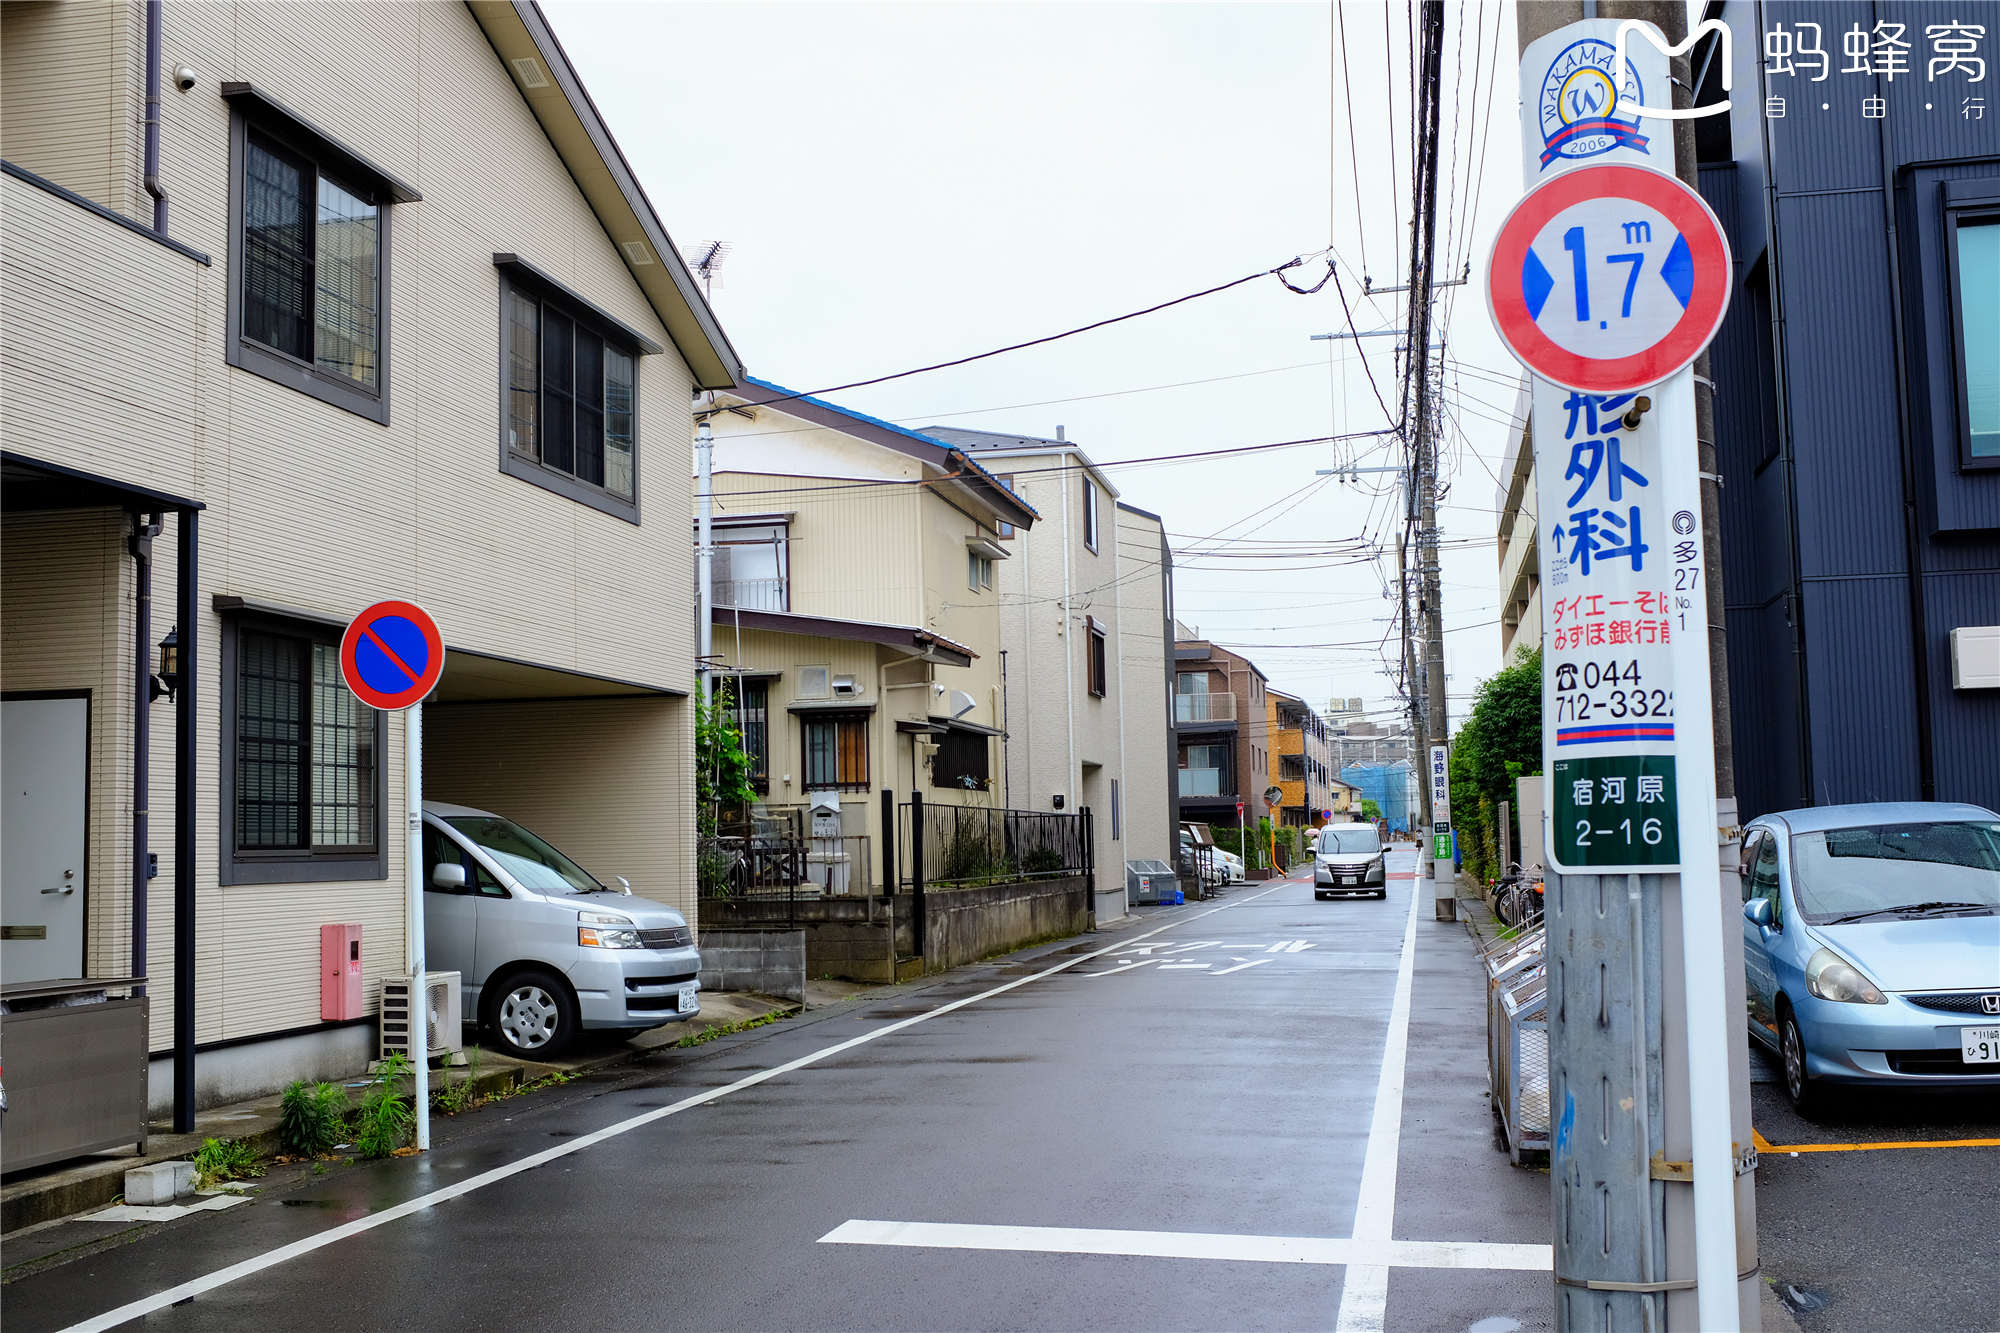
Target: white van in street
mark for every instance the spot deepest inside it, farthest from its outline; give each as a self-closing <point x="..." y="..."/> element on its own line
<point x="542" y="948"/>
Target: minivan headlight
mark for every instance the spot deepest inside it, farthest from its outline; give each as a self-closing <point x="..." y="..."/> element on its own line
<point x="604" y="918"/>
<point x="1831" y="977"/>
<point x="600" y="937"/>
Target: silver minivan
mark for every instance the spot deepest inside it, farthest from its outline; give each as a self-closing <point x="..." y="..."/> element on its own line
<point x="1349" y="859"/>
<point x="542" y="948"/>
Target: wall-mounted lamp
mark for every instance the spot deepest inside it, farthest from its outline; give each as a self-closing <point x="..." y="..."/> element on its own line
<point x="169" y="679"/>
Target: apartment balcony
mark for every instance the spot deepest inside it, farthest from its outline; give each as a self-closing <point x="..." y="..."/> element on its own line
<point x="1201" y="781"/>
<point x="1197" y="709"/>
<point x="752" y="594"/>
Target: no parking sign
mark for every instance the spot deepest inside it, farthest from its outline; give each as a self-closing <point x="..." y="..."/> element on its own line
<point x="392" y="655"/>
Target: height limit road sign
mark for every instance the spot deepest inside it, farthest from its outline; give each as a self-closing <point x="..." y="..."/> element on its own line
<point x="391" y="655"/>
<point x="1609" y="279"/>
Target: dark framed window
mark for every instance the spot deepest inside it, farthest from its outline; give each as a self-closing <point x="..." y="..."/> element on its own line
<point x="569" y="420"/>
<point x="962" y="761"/>
<point x="752" y="707"/>
<point x="1098" y="674"/>
<point x="1090" y="513"/>
<point x="836" y="751"/>
<point x="1006" y="530"/>
<point x="1975" y="293"/>
<point x="309" y="268"/>
<point x="301" y="774"/>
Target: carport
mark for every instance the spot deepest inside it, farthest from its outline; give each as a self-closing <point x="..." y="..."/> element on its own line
<point x="602" y="768"/>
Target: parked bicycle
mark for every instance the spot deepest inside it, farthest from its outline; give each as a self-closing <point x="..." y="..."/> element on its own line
<point x="1517" y="898"/>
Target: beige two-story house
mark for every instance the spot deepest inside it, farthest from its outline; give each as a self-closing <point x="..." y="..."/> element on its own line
<point x="857" y="618"/>
<point x="328" y="304"/>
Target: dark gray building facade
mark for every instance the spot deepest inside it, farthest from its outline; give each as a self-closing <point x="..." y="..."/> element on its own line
<point x="1858" y="393"/>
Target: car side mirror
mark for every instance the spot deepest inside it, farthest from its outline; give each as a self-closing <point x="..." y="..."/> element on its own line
<point x="624" y="884"/>
<point x="448" y="876"/>
<point x="1758" y="911"/>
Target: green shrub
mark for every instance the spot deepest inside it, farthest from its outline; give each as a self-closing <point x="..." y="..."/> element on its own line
<point x="382" y="1125"/>
<point x="309" y="1117"/>
<point x="1042" y="861"/>
<point x="218" y="1160"/>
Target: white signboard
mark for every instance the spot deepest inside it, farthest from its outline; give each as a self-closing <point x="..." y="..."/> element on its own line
<point x="1569" y="92"/>
<point x="1621" y="569"/>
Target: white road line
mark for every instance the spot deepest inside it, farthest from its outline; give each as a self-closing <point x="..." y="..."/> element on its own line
<point x="1169" y="967"/>
<point x="1198" y="1245"/>
<point x="1129" y="965"/>
<point x="146" y="1305"/>
<point x="1239" y="967"/>
<point x="1364" y="1291"/>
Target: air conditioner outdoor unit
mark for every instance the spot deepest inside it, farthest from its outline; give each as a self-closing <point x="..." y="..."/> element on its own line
<point x="444" y="1029"/>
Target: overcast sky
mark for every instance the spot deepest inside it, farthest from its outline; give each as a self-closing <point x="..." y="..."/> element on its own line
<point x="905" y="184"/>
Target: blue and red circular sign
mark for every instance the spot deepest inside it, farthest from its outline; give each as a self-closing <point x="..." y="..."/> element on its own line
<point x="1609" y="279"/>
<point x="392" y="655"/>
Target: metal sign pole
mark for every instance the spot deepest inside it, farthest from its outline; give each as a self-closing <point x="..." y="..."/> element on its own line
<point x="1709" y="1030"/>
<point x="413" y="927"/>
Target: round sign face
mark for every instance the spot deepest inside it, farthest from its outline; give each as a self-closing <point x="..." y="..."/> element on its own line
<point x="1608" y="279"/>
<point x="391" y="655"/>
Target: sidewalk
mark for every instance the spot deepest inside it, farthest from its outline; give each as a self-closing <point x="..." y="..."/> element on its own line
<point x="44" y="1195"/>
<point x="84" y="1184"/>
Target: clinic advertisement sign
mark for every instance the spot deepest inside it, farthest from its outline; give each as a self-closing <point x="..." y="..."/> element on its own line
<point x="1607" y="280"/>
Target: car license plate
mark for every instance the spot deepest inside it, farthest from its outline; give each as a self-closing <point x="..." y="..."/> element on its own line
<point x="689" y="1004"/>
<point x="1979" y="1046"/>
<point x="1350" y="879"/>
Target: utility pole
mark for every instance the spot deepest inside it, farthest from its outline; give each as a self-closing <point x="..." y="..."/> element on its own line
<point x="1620" y="938"/>
<point x="1423" y="422"/>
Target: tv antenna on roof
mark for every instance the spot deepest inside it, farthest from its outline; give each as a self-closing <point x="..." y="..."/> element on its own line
<point x="708" y="258"/>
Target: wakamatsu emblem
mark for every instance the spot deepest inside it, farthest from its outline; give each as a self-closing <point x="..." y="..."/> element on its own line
<point x="1578" y="96"/>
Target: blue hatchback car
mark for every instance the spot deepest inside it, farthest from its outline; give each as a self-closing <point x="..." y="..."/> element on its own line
<point x="1871" y="940"/>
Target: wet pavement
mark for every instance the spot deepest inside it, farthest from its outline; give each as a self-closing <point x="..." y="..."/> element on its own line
<point x="1218" y="1077"/>
<point x="1865" y="1237"/>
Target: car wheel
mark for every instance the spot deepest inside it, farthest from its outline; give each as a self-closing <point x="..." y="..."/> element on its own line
<point x="1804" y="1093"/>
<point x="1318" y="896"/>
<point x="532" y="1016"/>
<point x="1383" y="894"/>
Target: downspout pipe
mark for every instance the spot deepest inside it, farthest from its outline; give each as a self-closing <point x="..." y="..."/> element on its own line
<point x="145" y="528"/>
<point x="1913" y="538"/>
<point x="154" y="21"/>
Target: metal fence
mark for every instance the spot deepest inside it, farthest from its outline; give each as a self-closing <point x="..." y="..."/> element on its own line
<point x="973" y="845"/>
<point x="764" y="868"/>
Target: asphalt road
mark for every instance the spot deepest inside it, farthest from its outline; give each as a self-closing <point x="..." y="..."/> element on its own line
<point x="1865" y="1238"/>
<point x="1202" y="1088"/>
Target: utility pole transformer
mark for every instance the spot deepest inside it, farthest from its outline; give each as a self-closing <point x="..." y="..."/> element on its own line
<point x="1624" y="1234"/>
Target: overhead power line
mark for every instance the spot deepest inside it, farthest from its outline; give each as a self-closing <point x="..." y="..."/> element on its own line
<point x="1278" y="273"/>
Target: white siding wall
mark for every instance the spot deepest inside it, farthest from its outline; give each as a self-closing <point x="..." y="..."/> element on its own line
<point x="112" y="356"/>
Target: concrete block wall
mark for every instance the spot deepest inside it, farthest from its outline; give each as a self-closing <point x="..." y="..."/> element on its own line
<point x="862" y="938"/>
<point x="769" y="962"/>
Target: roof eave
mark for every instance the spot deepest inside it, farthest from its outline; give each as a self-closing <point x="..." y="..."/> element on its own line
<point x="582" y="140"/>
